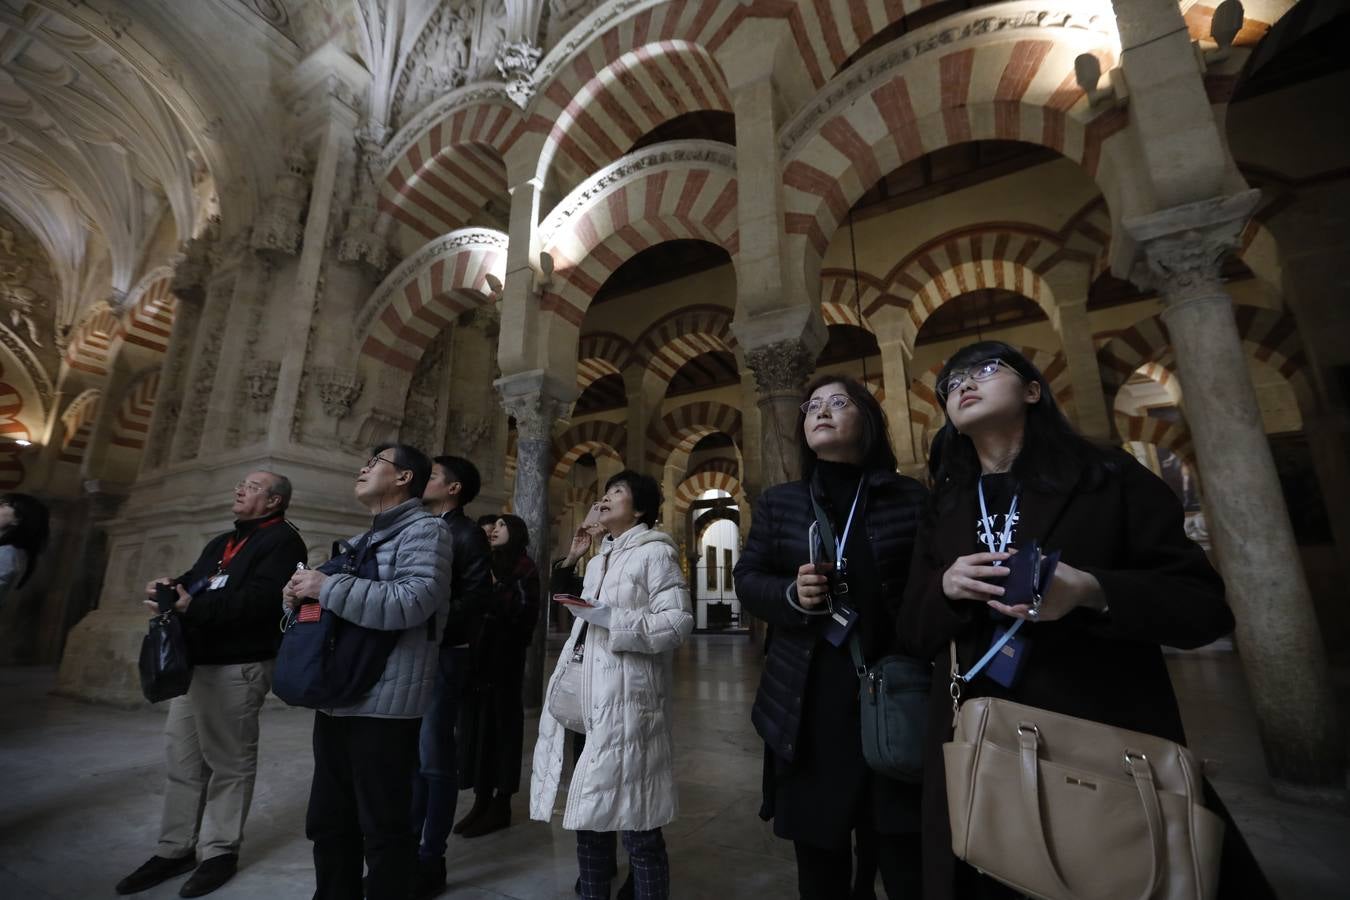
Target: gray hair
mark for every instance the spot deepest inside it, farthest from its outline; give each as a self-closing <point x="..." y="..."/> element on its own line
<point x="281" y="487"/>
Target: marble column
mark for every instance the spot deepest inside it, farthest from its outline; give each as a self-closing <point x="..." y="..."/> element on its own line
<point x="1277" y="631"/>
<point x="536" y="404"/>
<point x="781" y="369"/>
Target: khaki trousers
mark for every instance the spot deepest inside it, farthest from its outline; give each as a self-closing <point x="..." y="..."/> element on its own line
<point x="211" y="740"/>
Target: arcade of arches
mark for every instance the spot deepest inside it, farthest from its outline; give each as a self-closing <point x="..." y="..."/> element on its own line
<point x="563" y="237"/>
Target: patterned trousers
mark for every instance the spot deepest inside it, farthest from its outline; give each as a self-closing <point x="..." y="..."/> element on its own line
<point x="646" y="857"/>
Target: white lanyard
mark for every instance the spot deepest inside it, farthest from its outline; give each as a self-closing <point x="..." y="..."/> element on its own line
<point x="839" y="543"/>
<point x="987" y="524"/>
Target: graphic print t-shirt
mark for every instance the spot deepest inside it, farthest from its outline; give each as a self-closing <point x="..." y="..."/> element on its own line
<point x="998" y="496"/>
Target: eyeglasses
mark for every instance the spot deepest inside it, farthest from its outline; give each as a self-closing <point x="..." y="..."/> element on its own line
<point x="375" y="460"/>
<point x="836" y="402"/>
<point x="980" y="372"/>
<point x="251" y="486"/>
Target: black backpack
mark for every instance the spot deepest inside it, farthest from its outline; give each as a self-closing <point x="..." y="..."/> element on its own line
<point x="329" y="662"/>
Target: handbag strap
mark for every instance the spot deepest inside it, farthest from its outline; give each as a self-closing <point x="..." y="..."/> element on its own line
<point x="1137" y="764"/>
<point x="959" y="681"/>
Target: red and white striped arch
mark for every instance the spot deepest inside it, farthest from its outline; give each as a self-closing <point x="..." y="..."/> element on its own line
<point x="673" y="191"/>
<point x="925" y="409"/>
<point x="12" y="429"/>
<point x="447" y="164"/>
<point x="426" y="292"/>
<point x="682" y="336"/>
<point x="841" y="298"/>
<point x="601" y="353"/>
<point x="149" y="321"/>
<point x="596" y="437"/>
<point x="77" y="422"/>
<point x="1268" y="335"/>
<point x="1175" y="436"/>
<point x="944" y="84"/>
<point x="91" y="346"/>
<point x="718" y="464"/>
<point x="592" y="124"/>
<point x="681" y="428"/>
<point x="132" y="425"/>
<point x="1008" y="258"/>
<point x="693" y="487"/>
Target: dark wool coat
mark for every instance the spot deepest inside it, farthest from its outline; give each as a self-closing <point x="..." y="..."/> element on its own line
<point x="238" y="623"/>
<point x="1109" y="668"/>
<point x="790" y="682"/>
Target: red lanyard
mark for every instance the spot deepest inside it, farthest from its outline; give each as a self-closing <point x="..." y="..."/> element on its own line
<point x="232" y="549"/>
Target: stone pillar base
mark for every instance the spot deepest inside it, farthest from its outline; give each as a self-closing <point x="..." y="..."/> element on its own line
<point x="100" y="663"/>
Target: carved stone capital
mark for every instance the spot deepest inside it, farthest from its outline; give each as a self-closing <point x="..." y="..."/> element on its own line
<point x="279" y="227"/>
<point x="470" y="431"/>
<point x="1181" y="250"/>
<point x="534" y="414"/>
<point x="193" y="268"/>
<point x="260" y="384"/>
<point x="781" y="367"/>
<point x="339" y="390"/>
<point x="516" y="62"/>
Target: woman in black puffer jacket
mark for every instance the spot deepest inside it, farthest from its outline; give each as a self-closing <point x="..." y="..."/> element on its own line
<point x="818" y="788"/>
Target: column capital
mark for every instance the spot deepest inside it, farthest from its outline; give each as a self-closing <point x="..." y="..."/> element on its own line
<point x="535" y="401"/>
<point x="781" y="367"/>
<point x="1181" y="249"/>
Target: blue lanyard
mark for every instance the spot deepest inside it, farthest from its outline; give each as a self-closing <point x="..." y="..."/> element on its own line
<point x="1004" y="539"/>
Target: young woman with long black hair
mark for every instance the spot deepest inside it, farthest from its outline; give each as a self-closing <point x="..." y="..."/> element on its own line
<point x="23" y="537"/>
<point x="818" y="788"/>
<point x="493" y="717"/>
<point x="1008" y="469"/>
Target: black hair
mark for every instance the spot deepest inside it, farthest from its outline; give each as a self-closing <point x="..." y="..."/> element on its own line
<point x="463" y="471"/>
<point x="281" y="487"/>
<point x="30" y="530"/>
<point x="876" y="442"/>
<point x="1054" y="457"/>
<point x="487" y="519"/>
<point x="646" y="493"/>
<point x="409" y="459"/>
<point x="507" y="557"/>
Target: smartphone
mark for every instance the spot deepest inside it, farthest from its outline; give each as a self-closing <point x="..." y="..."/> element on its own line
<point x="571" y="600"/>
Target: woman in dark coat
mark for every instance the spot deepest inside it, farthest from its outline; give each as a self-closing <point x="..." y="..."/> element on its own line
<point x="817" y="788"/>
<point x="493" y="716"/>
<point x="1129" y="580"/>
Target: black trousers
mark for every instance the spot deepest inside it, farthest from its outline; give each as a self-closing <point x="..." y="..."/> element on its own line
<point x="828" y="874"/>
<point x="358" y="806"/>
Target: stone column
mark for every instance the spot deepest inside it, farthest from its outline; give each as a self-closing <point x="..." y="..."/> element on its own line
<point x="1089" y="400"/>
<point x="895" y="341"/>
<point x="1277" y="632"/>
<point x="536" y="404"/>
<point x="781" y="369"/>
<point x="641" y="411"/>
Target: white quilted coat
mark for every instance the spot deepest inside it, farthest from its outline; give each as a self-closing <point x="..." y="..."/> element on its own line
<point x="625" y="778"/>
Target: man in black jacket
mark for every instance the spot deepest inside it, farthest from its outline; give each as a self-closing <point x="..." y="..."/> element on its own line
<point x="453" y="485"/>
<point x="229" y="601"/>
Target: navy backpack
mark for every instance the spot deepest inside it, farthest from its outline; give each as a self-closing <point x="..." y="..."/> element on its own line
<point x="326" y="662"/>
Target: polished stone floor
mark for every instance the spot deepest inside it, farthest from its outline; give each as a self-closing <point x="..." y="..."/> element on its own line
<point x="82" y="793"/>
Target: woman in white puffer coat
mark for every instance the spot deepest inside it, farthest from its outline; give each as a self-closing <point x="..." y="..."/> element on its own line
<point x="624" y="780"/>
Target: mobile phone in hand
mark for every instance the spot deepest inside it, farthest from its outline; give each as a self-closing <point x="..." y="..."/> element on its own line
<point x="571" y="600"/>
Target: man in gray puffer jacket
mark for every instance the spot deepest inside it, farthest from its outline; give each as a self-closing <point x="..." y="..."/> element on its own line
<point x="365" y="755"/>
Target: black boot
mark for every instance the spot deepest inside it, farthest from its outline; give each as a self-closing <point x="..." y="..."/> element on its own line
<point x="480" y="805"/>
<point x="497" y="817"/>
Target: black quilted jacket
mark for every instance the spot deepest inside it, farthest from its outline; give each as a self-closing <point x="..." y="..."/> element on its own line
<point x="768" y="565"/>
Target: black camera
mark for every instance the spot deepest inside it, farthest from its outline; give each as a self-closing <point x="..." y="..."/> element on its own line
<point x="166" y="595"/>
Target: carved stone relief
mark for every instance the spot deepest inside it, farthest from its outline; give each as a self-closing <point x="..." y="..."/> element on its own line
<point x="279" y="227"/>
<point x="440" y="61"/>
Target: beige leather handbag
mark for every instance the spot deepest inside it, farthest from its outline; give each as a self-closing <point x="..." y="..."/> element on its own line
<point x="1066" y="809"/>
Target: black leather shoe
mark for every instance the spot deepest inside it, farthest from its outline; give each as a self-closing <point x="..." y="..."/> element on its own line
<point x="157" y="869"/>
<point x="211" y="874"/>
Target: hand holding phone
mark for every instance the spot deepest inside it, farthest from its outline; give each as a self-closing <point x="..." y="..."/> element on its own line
<point x="572" y="600"/>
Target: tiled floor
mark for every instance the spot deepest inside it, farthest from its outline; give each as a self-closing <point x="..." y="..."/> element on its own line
<point x="82" y="792"/>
